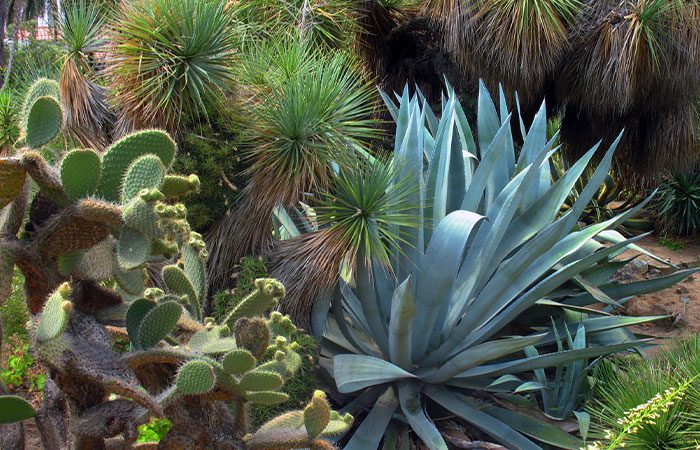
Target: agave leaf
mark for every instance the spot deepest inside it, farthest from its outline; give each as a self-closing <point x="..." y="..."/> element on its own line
<point x="371" y="430"/>
<point x="455" y="403"/>
<point x="438" y="269"/>
<point x="534" y="428"/>
<point x="403" y="310"/>
<point x="409" y="396"/>
<point x="355" y="372"/>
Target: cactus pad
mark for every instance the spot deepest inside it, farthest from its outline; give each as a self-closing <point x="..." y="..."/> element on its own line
<point x="267" y="397"/>
<point x="212" y="341"/>
<point x="317" y="414"/>
<point x="238" y="361"/>
<point x="157" y="323"/>
<point x="178" y="283"/>
<point x="14" y="409"/>
<point x="146" y="172"/>
<point x="42" y="87"/>
<point x="132" y="281"/>
<point x="122" y="153"/>
<point x="175" y="186"/>
<point x="68" y="262"/>
<point x="80" y="173"/>
<point x="268" y="291"/>
<point x="134" y="316"/>
<point x="195" y="377"/>
<point x="194" y="269"/>
<point x="43" y="121"/>
<point x="260" y="380"/>
<point x="12" y="175"/>
<point x="54" y="318"/>
<point x="133" y="249"/>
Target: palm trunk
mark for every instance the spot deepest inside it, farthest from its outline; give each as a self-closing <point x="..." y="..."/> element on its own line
<point x="16" y="20"/>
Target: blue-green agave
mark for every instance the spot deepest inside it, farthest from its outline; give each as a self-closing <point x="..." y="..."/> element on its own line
<point x="478" y="301"/>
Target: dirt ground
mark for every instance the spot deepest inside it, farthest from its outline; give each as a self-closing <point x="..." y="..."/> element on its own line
<point x="681" y="302"/>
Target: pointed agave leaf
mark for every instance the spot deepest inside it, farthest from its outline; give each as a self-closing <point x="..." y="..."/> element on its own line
<point x="410" y="399"/>
<point x="370" y="432"/>
<point x="355" y="372"/>
<point x="542" y="431"/>
<point x="455" y="403"/>
<point x="403" y="310"/>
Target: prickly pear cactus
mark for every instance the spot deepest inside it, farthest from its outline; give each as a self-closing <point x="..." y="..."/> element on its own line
<point x="100" y="224"/>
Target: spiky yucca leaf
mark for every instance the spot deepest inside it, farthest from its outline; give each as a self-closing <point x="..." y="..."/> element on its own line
<point x="677" y="205"/>
<point x="168" y="57"/>
<point x="9" y="122"/>
<point x="87" y="115"/>
<point x="299" y="122"/>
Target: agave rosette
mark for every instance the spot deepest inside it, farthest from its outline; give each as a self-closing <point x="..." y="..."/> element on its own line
<point x="477" y="299"/>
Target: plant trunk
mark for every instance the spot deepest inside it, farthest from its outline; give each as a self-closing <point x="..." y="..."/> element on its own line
<point x="3" y="25"/>
<point x="16" y="20"/>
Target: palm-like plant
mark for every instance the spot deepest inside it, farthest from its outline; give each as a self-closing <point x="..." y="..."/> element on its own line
<point x="303" y="112"/>
<point x="677" y="207"/>
<point x="359" y="218"/>
<point x="9" y="122"/>
<point x="87" y="115"/>
<point x="621" y="53"/>
<point x="479" y="296"/>
<point x="168" y="57"/>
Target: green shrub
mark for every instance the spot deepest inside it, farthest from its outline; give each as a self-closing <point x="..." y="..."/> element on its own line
<point x="19" y="370"/>
<point x="621" y="389"/>
<point x="154" y="430"/>
<point x="13" y="312"/>
<point x="212" y="155"/>
<point x="677" y="204"/>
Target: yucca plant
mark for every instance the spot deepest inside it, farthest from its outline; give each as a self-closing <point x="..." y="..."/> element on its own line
<point x="168" y="57"/>
<point x="303" y="111"/>
<point x="87" y="115"/>
<point x="677" y="206"/>
<point x="326" y="24"/>
<point x="633" y="65"/>
<point x="360" y="217"/>
<point x="9" y="122"/>
<point x="477" y="297"/>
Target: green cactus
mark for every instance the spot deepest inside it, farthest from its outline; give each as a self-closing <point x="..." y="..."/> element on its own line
<point x="140" y="215"/>
<point x="133" y="249"/>
<point x="270" y="398"/>
<point x="178" y="283"/>
<point x="176" y="186"/>
<point x="14" y="409"/>
<point x="43" y="121"/>
<point x="120" y="155"/>
<point x="266" y="295"/>
<point x="54" y="319"/>
<point x="156" y="323"/>
<point x="260" y="380"/>
<point x="317" y="415"/>
<point x="195" y="377"/>
<point x="80" y="173"/>
<point x="239" y="361"/>
<point x="42" y="87"/>
<point x="194" y="264"/>
<point x="145" y="172"/>
<point x="212" y="340"/>
<point x="132" y="281"/>
<point x="68" y="262"/>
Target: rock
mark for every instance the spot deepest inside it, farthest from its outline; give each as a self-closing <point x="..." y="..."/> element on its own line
<point x="682" y="290"/>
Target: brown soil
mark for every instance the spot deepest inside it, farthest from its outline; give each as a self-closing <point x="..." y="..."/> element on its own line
<point x="681" y="302"/>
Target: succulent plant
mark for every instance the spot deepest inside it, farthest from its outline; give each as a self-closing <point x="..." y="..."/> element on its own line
<point x="478" y="297"/>
<point x="98" y="226"/>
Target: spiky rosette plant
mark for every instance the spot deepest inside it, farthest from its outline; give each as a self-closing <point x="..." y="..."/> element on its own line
<point x="494" y="285"/>
<point x="358" y="218"/>
<point x="97" y="227"/>
<point x="87" y="115"/>
<point x="305" y="112"/>
<point x="621" y="53"/>
<point x="168" y="57"/>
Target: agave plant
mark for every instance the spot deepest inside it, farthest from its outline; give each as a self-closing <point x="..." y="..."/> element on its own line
<point x="477" y="298"/>
<point x="677" y="208"/>
<point x="87" y="115"/>
<point x="168" y="58"/>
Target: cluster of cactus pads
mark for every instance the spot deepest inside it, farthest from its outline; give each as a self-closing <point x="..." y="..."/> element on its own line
<point x="107" y="254"/>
